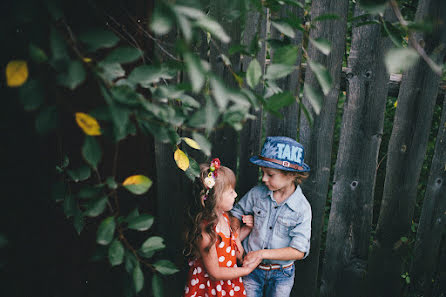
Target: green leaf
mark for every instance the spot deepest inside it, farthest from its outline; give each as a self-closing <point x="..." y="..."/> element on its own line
<point x="322" y="75"/>
<point x="141" y="223"/>
<point x="138" y="278"/>
<point x="403" y="239"/>
<point x="321" y="44"/>
<point x="116" y="252"/>
<point x="99" y="38"/>
<point x="161" y="20"/>
<point x="253" y="73"/>
<point x="3" y="241"/>
<point x="157" y="285"/>
<point x="400" y="59"/>
<point x="123" y="54"/>
<point x="203" y="142"/>
<point x="220" y="93"/>
<point x="111" y="183"/>
<point x="78" y="220"/>
<point x="69" y="206"/>
<point x="214" y="28"/>
<point x="325" y="16"/>
<point x="31" y="95"/>
<point x="188" y="101"/>
<point x="73" y="76"/>
<point x="37" y="54"/>
<point x="185" y="27"/>
<point x="96" y="206"/>
<point x="165" y="267"/>
<point x="145" y="75"/>
<point x="195" y="71"/>
<point x="58" y="191"/>
<point x="189" y="12"/>
<point x="314" y="97"/>
<point x="80" y="174"/>
<point x="87" y="192"/>
<point x="284" y="28"/>
<point x="137" y="184"/>
<point x="91" y="151"/>
<point x="286" y="55"/>
<point x="307" y="114"/>
<point x="47" y="119"/>
<point x="130" y="261"/>
<point x="373" y="6"/>
<point x="279" y="101"/>
<point x="276" y="71"/>
<point x="152" y="245"/>
<point x="393" y="33"/>
<point x="111" y="71"/>
<point x="205" y="117"/>
<point x="106" y="230"/>
<point x="193" y="171"/>
<point x="57" y="45"/>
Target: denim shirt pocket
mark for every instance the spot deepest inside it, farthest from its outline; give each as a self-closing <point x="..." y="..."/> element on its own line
<point x="284" y="226"/>
<point x="259" y="215"/>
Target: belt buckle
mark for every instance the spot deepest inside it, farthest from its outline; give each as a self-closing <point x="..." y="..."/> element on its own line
<point x="286" y="163"/>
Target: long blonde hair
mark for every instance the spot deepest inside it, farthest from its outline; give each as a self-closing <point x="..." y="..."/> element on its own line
<point x="202" y="213"/>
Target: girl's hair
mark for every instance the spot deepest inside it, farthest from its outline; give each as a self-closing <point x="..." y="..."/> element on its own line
<point x="202" y="212"/>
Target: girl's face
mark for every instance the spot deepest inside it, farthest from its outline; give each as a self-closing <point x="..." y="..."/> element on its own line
<point x="227" y="199"/>
<point x="275" y="179"/>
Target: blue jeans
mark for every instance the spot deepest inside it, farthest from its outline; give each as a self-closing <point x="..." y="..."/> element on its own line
<point x="275" y="282"/>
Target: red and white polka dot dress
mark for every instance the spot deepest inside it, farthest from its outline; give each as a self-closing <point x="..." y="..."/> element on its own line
<point x="199" y="283"/>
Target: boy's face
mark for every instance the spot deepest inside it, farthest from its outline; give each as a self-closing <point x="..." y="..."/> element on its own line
<point x="275" y="179"/>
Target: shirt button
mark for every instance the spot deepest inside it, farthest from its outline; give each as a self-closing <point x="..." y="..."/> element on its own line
<point x="276" y="207"/>
<point x="258" y="212"/>
<point x="270" y="227"/>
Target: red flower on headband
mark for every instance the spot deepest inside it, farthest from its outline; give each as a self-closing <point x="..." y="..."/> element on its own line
<point x="215" y="164"/>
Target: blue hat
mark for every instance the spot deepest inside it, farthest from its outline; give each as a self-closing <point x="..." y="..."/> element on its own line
<point x="282" y="153"/>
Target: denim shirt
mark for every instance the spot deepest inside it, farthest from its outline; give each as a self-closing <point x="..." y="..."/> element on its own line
<point x="276" y="225"/>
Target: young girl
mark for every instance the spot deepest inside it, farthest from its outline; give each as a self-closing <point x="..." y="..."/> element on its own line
<point x="282" y="218"/>
<point x="212" y="244"/>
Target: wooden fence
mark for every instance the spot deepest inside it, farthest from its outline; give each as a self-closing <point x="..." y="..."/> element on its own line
<point x="351" y="265"/>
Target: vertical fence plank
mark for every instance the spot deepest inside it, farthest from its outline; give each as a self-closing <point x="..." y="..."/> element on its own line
<point x="406" y="152"/>
<point x="288" y="124"/>
<point x="318" y="139"/>
<point x="349" y="225"/>
<point x="249" y="142"/>
<point x="433" y="218"/>
<point x="225" y="140"/>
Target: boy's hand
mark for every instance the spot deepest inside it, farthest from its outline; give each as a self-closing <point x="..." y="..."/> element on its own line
<point x="248" y="220"/>
<point x="252" y="260"/>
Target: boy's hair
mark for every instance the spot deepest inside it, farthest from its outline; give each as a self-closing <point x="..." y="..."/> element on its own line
<point x="299" y="176"/>
<point x="202" y="212"/>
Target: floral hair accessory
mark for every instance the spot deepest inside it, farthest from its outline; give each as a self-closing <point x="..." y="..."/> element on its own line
<point x="209" y="181"/>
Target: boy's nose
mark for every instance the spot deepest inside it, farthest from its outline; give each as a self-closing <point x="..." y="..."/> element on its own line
<point x="264" y="178"/>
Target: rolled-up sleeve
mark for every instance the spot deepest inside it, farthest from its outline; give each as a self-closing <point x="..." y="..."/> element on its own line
<point x="301" y="233"/>
<point x="244" y="206"/>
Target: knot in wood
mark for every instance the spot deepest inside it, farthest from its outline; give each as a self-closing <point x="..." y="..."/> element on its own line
<point x="368" y="74"/>
<point x="438" y="181"/>
<point x="354" y="184"/>
<point x="403" y="148"/>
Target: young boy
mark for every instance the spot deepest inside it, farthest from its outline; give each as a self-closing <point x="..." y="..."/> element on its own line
<point x="282" y="218"/>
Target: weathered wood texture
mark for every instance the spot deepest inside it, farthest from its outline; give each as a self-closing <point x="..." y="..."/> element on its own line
<point x="433" y="218"/>
<point x="226" y="137"/>
<point x="289" y="123"/>
<point x="318" y="139"/>
<point x="349" y="225"/>
<point x="406" y="152"/>
<point x="250" y="136"/>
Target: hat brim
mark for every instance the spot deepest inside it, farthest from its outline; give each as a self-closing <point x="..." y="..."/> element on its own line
<point x="259" y="162"/>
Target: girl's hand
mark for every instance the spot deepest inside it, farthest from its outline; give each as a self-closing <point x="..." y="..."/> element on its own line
<point x="248" y="220"/>
<point x="252" y="258"/>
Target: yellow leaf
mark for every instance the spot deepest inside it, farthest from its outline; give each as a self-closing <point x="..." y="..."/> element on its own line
<point x="192" y="143"/>
<point x="16" y="73"/>
<point x="181" y="159"/>
<point x="88" y="124"/>
<point x="395" y="104"/>
<point x="87" y="60"/>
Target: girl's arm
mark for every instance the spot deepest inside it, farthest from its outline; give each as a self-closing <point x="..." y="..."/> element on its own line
<point x="240" y="250"/>
<point x="211" y="264"/>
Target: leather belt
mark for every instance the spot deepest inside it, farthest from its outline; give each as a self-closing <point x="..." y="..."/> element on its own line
<point x="273" y="266"/>
<point x="283" y="163"/>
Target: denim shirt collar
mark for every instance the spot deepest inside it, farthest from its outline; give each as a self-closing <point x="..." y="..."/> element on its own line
<point x="292" y="201"/>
